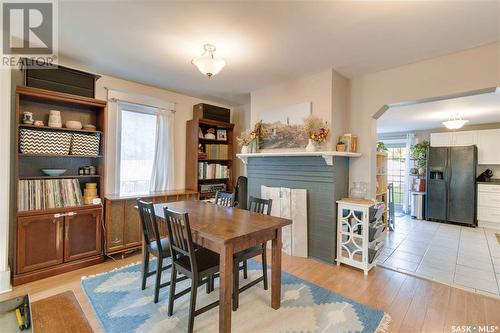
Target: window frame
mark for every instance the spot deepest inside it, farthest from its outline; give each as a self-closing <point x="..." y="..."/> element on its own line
<point x="130" y="107"/>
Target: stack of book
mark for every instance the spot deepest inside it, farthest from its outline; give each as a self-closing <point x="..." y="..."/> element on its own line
<point x="216" y="152"/>
<point x="39" y="194"/>
<point x="212" y="171"/>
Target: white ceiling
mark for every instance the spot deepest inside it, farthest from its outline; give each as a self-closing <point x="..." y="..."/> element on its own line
<point x="478" y="109"/>
<point x="265" y="42"/>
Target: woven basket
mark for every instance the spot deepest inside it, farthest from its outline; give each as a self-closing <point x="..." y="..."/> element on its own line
<point x="85" y="144"/>
<point x="44" y="142"/>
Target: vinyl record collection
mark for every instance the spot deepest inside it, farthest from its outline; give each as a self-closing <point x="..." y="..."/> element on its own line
<point x="49" y="193"/>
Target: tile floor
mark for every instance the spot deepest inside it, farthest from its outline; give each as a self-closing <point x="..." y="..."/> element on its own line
<point x="465" y="257"/>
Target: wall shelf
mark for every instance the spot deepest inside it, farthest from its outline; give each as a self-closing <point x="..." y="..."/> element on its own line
<point x="58" y="129"/>
<point x="326" y="155"/>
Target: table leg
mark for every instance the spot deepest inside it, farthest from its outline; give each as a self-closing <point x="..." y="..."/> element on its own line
<point x="225" y="291"/>
<point x="276" y="271"/>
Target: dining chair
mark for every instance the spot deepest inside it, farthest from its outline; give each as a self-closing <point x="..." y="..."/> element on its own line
<point x="153" y="244"/>
<point x="261" y="206"/>
<point x="225" y="199"/>
<point x="197" y="263"/>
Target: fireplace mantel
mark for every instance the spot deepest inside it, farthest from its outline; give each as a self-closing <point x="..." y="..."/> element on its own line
<point x="326" y="155"/>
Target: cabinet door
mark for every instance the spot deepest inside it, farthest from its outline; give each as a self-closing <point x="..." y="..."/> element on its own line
<point x="441" y="139"/>
<point x="82" y="234"/>
<point x="115" y="222"/>
<point x="39" y="243"/>
<point x="464" y="138"/>
<point x="132" y="235"/>
<point x="487" y="146"/>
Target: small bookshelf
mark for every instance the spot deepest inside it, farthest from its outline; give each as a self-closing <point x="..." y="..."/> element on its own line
<point x="381" y="176"/>
<point x="209" y="162"/>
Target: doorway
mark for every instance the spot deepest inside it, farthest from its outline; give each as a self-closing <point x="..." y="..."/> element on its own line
<point x="396" y="175"/>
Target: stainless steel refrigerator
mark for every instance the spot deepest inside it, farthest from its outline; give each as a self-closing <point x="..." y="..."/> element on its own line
<point x="451" y="184"/>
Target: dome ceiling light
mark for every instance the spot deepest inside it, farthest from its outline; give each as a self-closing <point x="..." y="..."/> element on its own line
<point x="455" y="122"/>
<point x="207" y="63"/>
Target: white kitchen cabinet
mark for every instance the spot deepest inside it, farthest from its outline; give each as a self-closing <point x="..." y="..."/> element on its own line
<point x="291" y="204"/>
<point x="441" y="139"/>
<point x="464" y="138"/>
<point x="449" y="139"/>
<point x="487" y="142"/>
<point x="488" y="151"/>
<point x="488" y="206"/>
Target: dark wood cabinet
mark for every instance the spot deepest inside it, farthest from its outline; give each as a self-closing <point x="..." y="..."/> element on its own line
<point x="39" y="242"/>
<point x="49" y="244"/>
<point x="122" y="223"/>
<point x="82" y="235"/>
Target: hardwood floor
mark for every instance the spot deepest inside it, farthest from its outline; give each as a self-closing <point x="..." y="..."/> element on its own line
<point x="415" y="305"/>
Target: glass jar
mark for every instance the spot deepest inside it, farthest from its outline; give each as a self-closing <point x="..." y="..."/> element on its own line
<point x="358" y="190"/>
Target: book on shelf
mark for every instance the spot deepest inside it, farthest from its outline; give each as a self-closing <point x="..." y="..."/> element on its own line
<point x="216" y="152"/>
<point x="37" y="194"/>
<point x="212" y="171"/>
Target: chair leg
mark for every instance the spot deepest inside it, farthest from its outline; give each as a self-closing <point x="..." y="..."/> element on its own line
<point x="171" y="294"/>
<point x="192" y="305"/>
<point x="264" y="268"/>
<point x="213" y="282"/>
<point x="245" y="270"/>
<point x="159" y="263"/>
<point x="145" y="268"/>
<point x="208" y="284"/>
<point x="236" y="285"/>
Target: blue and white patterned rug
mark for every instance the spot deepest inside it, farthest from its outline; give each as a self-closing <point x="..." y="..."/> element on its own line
<point x="121" y="306"/>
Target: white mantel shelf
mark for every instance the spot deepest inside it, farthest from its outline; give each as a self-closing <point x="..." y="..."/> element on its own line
<point x="326" y="155"/>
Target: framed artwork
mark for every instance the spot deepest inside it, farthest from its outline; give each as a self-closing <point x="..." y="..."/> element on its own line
<point x="222" y="135"/>
<point x="283" y="128"/>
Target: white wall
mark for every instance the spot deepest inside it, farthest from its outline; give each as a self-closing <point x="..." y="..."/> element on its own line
<point x="459" y="72"/>
<point x="327" y="91"/>
<point x="5" y="112"/>
<point x="184" y="111"/>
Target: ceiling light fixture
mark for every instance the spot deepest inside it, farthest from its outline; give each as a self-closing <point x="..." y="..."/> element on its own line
<point x="455" y="122"/>
<point x="207" y="64"/>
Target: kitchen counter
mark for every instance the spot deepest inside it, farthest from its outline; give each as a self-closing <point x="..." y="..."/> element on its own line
<point x="494" y="181"/>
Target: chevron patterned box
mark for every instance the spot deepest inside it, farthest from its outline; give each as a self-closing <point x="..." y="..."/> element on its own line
<point x="44" y="142"/>
<point x="85" y="144"/>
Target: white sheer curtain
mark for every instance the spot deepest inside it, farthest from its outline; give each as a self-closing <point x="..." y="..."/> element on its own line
<point x="163" y="166"/>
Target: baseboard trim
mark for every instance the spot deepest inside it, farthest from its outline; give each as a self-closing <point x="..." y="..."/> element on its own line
<point x="5" y="285"/>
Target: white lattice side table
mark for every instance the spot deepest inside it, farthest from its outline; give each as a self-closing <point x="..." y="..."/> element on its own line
<point x="360" y="232"/>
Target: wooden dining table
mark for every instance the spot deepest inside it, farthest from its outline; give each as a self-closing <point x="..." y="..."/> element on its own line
<point x="227" y="231"/>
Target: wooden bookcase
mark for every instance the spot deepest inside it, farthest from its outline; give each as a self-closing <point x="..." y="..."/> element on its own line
<point x="52" y="241"/>
<point x="381" y="175"/>
<point x="193" y="181"/>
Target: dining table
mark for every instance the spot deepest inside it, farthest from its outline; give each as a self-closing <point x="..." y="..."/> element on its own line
<point x="226" y="231"/>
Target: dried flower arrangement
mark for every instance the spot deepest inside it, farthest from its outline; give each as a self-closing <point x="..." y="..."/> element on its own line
<point x="246" y="137"/>
<point x="316" y="129"/>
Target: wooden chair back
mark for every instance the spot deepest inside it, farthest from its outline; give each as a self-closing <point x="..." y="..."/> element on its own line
<point x="258" y="205"/>
<point x="180" y="238"/>
<point x="225" y="199"/>
<point x="149" y="226"/>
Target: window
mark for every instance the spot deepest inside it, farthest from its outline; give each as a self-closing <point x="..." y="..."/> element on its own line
<point x="137" y="137"/>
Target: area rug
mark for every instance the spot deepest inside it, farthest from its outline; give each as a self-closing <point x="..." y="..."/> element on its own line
<point x="121" y="306"/>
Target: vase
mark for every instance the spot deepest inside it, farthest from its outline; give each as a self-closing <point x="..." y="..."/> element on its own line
<point x="311" y="146"/>
<point x="358" y="190"/>
<point x="244" y="149"/>
<point x="55" y="119"/>
<point x="341" y="147"/>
